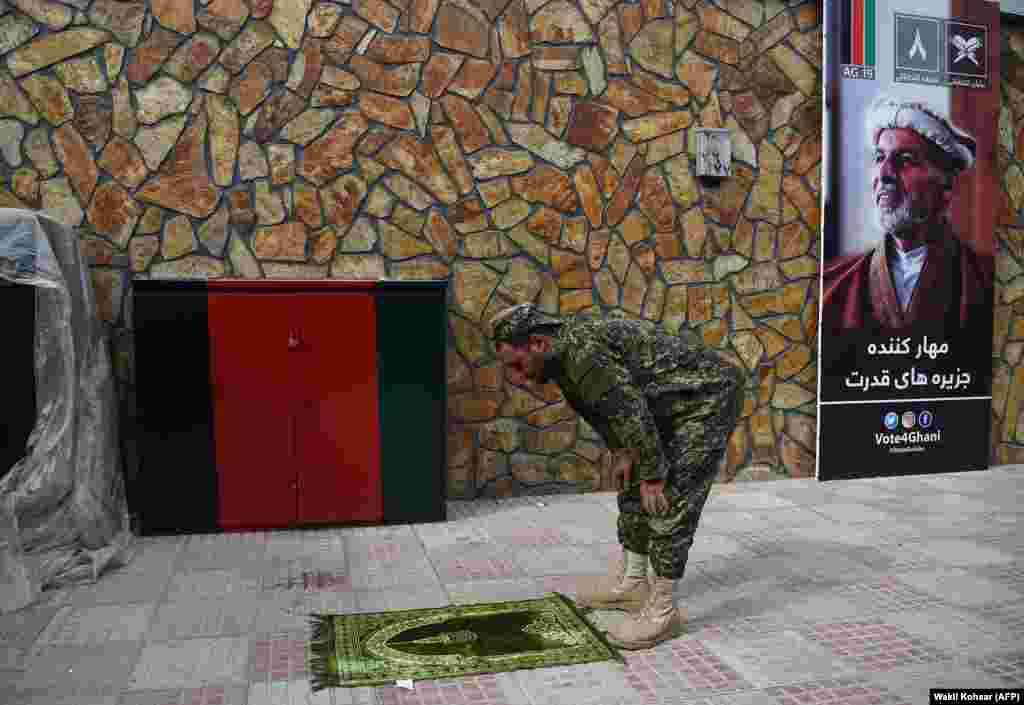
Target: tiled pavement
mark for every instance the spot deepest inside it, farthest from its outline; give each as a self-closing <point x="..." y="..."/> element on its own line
<point x="849" y="593"/>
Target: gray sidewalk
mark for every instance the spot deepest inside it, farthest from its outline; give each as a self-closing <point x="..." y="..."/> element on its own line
<point x="854" y="592"/>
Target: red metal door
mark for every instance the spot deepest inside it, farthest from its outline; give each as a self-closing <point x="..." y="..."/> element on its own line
<point x="253" y="384"/>
<point x="338" y="428"/>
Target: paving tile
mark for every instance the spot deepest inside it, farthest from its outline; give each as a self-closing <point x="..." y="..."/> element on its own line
<point x="22" y="627"/>
<point x="476" y="508"/>
<point x="749" y="501"/>
<point x="707" y="545"/>
<point x="956" y="631"/>
<point x="70" y="668"/>
<point x="846" y="512"/>
<point x="729" y="573"/>
<point x="96" y="626"/>
<point x="532" y="535"/>
<point x="191" y="663"/>
<point x="212" y="584"/>
<point x="487" y="689"/>
<point x="12" y="658"/>
<point x="409" y="598"/>
<point x="1010" y="574"/>
<point x="745" y="697"/>
<point x="456" y="565"/>
<point x="580" y="684"/>
<point x="301" y="574"/>
<point x="843" y="691"/>
<point x="875" y="645"/>
<point x="962" y="553"/>
<point x="298" y="692"/>
<point x="355" y="536"/>
<point x="403" y="574"/>
<point x="1007" y="667"/>
<point x="938" y="525"/>
<point x="912" y="683"/>
<point x="277" y="657"/>
<point x="758" y="604"/>
<point x="328" y="545"/>
<point x="49" y="697"/>
<point x="154" y="554"/>
<point x="961" y="587"/>
<point x="454" y="535"/>
<point x="886" y="593"/>
<point x="372" y="554"/>
<point x="204" y="552"/>
<point x="898" y="557"/>
<point x="780" y="658"/>
<point x="823" y="604"/>
<point x="822" y="566"/>
<point x="804" y="499"/>
<point x="322" y="602"/>
<point x="559" y="560"/>
<point x="123" y="585"/>
<point x="207" y="695"/>
<point x="678" y="667"/>
<point x="858" y="491"/>
<point x="771" y="540"/>
<point x="219" y="617"/>
<point x="943" y="504"/>
<point x="477" y="591"/>
<point x="972" y="482"/>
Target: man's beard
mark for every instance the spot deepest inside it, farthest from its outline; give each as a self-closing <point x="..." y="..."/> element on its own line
<point x="901" y="220"/>
<point x="897" y="221"/>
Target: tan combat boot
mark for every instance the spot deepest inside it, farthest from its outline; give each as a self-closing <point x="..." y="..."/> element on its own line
<point x="615" y="591"/>
<point x="658" y="620"/>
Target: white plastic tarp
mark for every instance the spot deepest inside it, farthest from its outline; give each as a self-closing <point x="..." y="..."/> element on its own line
<point x="63" y="512"/>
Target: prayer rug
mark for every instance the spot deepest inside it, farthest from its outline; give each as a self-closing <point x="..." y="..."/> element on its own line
<point x="377" y="648"/>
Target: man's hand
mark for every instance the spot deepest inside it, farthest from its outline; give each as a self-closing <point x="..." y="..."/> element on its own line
<point x="652" y="496"/>
<point x="622" y="470"/>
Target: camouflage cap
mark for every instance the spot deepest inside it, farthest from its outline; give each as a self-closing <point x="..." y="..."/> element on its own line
<point x="518" y="321"/>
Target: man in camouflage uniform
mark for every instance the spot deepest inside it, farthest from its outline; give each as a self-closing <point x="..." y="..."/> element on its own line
<point x="666" y="407"/>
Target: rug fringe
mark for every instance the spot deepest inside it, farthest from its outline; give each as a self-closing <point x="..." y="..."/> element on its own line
<point x="322" y="671"/>
<point x="600" y="635"/>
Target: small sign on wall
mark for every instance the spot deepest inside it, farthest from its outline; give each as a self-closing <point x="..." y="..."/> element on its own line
<point x="714" y="152"/>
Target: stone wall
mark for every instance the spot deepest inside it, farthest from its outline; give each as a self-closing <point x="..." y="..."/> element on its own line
<point x="527" y="150"/>
<point x="1008" y="370"/>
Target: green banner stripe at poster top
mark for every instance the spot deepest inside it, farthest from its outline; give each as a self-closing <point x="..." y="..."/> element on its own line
<point x="869" y="32"/>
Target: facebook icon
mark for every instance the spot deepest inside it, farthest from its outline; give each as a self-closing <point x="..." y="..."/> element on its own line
<point x="925" y="418"/>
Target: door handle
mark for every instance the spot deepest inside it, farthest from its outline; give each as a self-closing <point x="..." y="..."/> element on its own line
<point x="293" y="340"/>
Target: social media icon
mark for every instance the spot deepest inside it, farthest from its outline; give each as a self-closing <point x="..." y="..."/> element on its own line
<point x="909" y="419"/>
<point x="925" y="418"/>
<point x="891" y="420"/>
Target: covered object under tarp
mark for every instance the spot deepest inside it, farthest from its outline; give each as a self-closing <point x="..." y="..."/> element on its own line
<point x="63" y="512"/>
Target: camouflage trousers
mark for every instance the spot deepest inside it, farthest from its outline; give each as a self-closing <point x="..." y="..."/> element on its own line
<point x="694" y="433"/>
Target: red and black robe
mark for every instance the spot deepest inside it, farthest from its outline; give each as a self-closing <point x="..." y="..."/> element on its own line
<point x="953" y="292"/>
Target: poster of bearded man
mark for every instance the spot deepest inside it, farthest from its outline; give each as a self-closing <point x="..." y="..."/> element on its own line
<point x="911" y="195"/>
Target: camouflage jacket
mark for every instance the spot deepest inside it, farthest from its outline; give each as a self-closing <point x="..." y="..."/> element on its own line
<point x="623" y="375"/>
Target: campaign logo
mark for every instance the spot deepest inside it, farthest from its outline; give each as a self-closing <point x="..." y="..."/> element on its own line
<point x="909" y="419"/>
<point x="925" y="419"/>
<point x="891" y="420"/>
<point x="967" y="48"/>
<point x="918" y="42"/>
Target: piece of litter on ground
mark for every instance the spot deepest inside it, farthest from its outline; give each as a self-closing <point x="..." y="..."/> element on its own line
<point x="406" y="683"/>
<point x="540" y="504"/>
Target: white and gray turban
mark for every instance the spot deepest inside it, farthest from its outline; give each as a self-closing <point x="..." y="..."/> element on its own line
<point x="887" y="114"/>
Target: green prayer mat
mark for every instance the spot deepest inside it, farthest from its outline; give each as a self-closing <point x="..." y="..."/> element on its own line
<point x="354" y="650"/>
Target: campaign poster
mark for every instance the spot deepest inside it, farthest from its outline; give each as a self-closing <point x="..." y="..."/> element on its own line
<point x="911" y="195"/>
